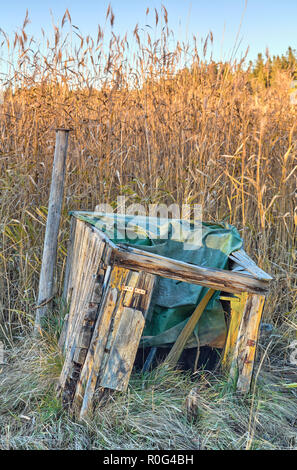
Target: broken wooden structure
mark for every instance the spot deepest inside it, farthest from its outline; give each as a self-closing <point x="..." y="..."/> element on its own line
<point x="108" y="288"/>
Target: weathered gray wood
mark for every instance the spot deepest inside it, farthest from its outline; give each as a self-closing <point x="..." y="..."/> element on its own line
<point x="86" y="325"/>
<point x="46" y="281"/>
<point x="88" y="379"/>
<point x="123" y="350"/>
<point x="242" y="259"/>
<point x="218" y="279"/>
<point x="76" y="279"/>
<point x="104" y="331"/>
<point x="68" y="272"/>
<point x="115" y="300"/>
<point x="68" y="386"/>
<point x="83" y="310"/>
<point x="69" y="260"/>
<point x="63" y="334"/>
<point x="88" y="253"/>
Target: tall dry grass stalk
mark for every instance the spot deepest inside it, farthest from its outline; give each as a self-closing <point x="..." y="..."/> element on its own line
<point x="150" y="121"/>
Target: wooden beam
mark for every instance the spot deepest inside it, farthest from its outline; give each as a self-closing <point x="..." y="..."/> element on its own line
<point x="188" y="329"/>
<point x="218" y="279"/>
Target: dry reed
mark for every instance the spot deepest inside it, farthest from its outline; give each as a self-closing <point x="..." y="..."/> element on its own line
<point x="153" y="122"/>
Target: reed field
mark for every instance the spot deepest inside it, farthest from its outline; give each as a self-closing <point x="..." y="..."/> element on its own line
<point x="156" y="121"/>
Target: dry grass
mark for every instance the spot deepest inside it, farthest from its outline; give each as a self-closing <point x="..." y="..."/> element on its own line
<point x="152" y="415"/>
<point x="146" y="127"/>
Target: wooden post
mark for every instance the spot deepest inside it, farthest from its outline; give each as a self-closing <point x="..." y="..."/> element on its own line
<point x="241" y="343"/>
<point x="46" y="281"/>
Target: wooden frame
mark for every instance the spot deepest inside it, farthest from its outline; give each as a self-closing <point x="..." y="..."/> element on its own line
<point x="108" y="289"/>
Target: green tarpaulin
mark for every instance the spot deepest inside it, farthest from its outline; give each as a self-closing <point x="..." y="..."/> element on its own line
<point x="173" y="301"/>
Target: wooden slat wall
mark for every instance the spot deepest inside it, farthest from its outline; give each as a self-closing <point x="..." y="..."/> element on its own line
<point x="101" y="366"/>
<point x="102" y="317"/>
<point x="85" y="283"/>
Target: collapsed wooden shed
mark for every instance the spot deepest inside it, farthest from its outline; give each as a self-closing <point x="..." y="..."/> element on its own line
<point x="108" y="288"/>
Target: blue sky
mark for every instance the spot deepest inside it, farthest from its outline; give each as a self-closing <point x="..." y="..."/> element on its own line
<point x="266" y="23"/>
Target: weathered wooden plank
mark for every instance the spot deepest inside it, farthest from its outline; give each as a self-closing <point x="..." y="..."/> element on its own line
<point x="140" y="301"/>
<point x="88" y="379"/>
<point x="84" y="312"/>
<point x="217" y="279"/>
<point x="77" y="283"/>
<point x="123" y="350"/>
<point x="76" y="255"/>
<point x="241" y="258"/>
<point x="254" y="280"/>
<point x="237" y="308"/>
<point x="90" y="249"/>
<point x="70" y="258"/>
<point x="188" y="329"/>
<point x="91" y="366"/>
<point x="134" y="281"/>
<point x="128" y="278"/>
<point x="85" y="331"/>
<point x="244" y="352"/>
<point x="81" y="242"/>
<point x="87" y="288"/>
<point x="77" y="227"/>
<point x="106" y="332"/>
